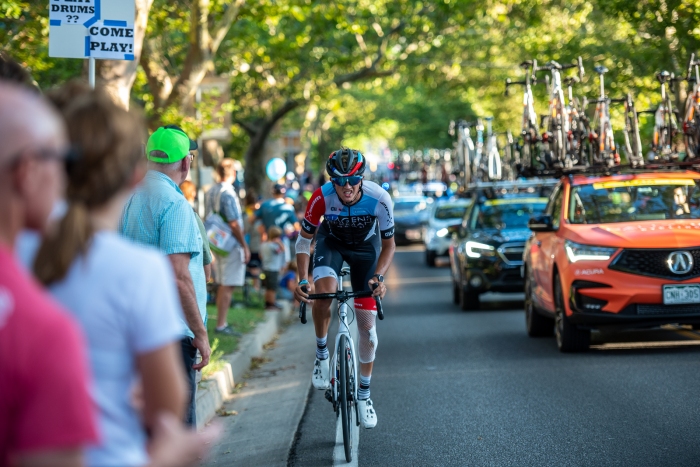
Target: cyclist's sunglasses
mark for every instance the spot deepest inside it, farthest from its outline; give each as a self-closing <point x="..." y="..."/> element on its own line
<point x="353" y="180"/>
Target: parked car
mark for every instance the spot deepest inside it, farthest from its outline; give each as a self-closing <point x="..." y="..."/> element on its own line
<point x="616" y="251"/>
<point x="487" y="247"/>
<point x="444" y="214"/>
<point x="410" y="215"/>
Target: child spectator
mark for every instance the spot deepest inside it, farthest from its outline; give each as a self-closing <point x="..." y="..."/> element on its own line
<point x="288" y="283"/>
<point x="272" y="256"/>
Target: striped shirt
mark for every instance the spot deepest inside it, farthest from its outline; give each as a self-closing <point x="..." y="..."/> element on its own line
<point x="157" y="214"/>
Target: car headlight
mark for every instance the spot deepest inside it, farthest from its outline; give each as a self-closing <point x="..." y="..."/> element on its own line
<point x="477" y="250"/>
<point x="442" y="232"/>
<point x="578" y="252"/>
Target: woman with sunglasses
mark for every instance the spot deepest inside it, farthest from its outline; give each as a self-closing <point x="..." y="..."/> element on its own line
<point x="357" y="228"/>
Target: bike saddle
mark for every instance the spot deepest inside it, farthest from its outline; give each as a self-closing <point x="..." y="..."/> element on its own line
<point x="344" y="272"/>
<point x="571" y="80"/>
<point x="663" y="76"/>
<point x="526" y="64"/>
<point x="554" y="64"/>
<point x="601" y="70"/>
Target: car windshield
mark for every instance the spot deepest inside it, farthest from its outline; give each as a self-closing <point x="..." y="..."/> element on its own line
<point x="414" y="205"/>
<point x="634" y="200"/>
<point x="450" y="212"/>
<point x="507" y="213"/>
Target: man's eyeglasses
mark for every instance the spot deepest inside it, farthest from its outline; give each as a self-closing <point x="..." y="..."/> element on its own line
<point x="353" y="180"/>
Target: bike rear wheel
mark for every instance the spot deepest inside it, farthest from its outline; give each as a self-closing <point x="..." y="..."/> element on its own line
<point x="346" y="393"/>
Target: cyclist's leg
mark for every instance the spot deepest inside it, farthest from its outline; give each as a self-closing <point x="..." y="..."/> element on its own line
<point x="363" y="262"/>
<point x="326" y="266"/>
<point x="327" y="262"/>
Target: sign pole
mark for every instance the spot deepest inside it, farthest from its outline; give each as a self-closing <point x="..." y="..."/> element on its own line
<point x="91" y="72"/>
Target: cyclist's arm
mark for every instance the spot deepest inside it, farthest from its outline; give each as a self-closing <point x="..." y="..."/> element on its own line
<point x="383" y="263"/>
<point x="314" y="210"/>
<point x="303" y="259"/>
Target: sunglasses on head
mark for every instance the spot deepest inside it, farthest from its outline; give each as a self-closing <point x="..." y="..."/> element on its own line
<point x="352" y="180"/>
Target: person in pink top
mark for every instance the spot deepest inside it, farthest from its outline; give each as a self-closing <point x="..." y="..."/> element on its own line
<point x="46" y="413"/>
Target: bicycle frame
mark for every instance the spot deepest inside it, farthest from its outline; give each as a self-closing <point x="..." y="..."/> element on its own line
<point x="343" y="329"/>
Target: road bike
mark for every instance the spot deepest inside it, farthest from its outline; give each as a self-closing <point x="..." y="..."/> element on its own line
<point x="578" y="144"/>
<point x="604" y="151"/>
<point x="466" y="151"/>
<point x="663" y="147"/>
<point x="344" y="379"/>
<point x="691" y="120"/>
<point x="528" y="149"/>
<point x="633" y="142"/>
<point x="493" y="169"/>
<point x="556" y="123"/>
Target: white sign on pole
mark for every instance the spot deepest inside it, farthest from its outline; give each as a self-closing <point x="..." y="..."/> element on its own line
<point x="91" y="29"/>
<point x="112" y="40"/>
<point x="63" y="12"/>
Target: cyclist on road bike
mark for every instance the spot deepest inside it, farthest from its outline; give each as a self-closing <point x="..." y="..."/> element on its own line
<point x="358" y="228"/>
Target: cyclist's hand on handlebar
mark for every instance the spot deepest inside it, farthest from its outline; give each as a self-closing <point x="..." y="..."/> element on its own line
<point x="379" y="291"/>
<point x="301" y="295"/>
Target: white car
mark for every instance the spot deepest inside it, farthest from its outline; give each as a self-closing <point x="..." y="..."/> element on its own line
<point x="442" y="215"/>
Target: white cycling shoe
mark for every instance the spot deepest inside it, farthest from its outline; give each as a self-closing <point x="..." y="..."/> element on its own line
<point x="368" y="417"/>
<point x="320" y="377"/>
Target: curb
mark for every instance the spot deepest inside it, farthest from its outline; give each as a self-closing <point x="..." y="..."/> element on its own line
<point x="212" y="392"/>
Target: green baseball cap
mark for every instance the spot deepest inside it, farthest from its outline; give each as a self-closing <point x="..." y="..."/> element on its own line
<point x="169" y="140"/>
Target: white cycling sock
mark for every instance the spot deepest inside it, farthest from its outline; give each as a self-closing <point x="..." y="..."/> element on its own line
<point x="321" y="348"/>
<point x="363" y="390"/>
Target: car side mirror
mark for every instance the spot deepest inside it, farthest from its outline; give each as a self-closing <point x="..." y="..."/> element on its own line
<point x="541" y="224"/>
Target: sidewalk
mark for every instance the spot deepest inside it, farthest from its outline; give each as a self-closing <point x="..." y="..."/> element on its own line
<point x="269" y="406"/>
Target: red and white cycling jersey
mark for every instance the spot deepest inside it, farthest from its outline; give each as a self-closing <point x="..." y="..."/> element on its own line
<point x="351" y="224"/>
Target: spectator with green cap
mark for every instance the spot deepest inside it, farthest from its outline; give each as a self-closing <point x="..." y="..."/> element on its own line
<point x="158" y="214"/>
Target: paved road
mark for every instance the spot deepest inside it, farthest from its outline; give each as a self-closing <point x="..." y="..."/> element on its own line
<point x="470" y="388"/>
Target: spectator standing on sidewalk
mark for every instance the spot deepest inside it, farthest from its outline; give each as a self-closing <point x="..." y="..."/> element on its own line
<point x="189" y="191"/>
<point x="107" y="284"/>
<point x="46" y="415"/>
<point x="253" y="236"/>
<point x="222" y="199"/>
<point x="278" y="212"/>
<point x="272" y="255"/>
<point x="158" y="215"/>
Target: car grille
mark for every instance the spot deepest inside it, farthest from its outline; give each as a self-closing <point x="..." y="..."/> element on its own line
<point x="512" y="276"/>
<point x="668" y="309"/>
<point x="653" y="263"/>
<point x="512" y="253"/>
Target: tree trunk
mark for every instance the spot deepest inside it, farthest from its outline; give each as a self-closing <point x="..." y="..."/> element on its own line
<point x="255" y="160"/>
<point x="117" y="76"/>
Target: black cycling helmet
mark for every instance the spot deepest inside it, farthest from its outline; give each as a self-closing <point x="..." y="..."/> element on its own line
<point x="345" y="162"/>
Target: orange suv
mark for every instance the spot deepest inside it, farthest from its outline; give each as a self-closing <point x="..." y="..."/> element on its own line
<point x="616" y="251"/>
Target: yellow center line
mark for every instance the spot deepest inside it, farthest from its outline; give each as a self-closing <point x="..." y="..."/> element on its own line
<point x="682" y="332"/>
<point x="643" y="345"/>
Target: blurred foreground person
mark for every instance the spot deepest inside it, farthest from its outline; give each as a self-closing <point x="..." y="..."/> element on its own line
<point x="46" y="415"/>
<point x="108" y="284"/>
<point x="158" y="215"/>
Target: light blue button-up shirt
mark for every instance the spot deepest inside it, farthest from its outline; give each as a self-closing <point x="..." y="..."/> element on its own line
<point x="157" y="214"/>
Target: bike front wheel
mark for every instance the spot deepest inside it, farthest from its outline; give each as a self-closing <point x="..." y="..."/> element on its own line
<point x="346" y="393"/>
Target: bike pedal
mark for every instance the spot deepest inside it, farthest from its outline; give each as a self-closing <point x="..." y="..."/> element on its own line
<point x="329" y="395"/>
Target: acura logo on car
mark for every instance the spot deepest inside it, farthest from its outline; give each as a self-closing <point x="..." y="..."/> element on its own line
<point x="680" y="262"/>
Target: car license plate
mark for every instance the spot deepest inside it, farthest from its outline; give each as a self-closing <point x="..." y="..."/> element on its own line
<point x="679" y="294"/>
<point x="413" y="234"/>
